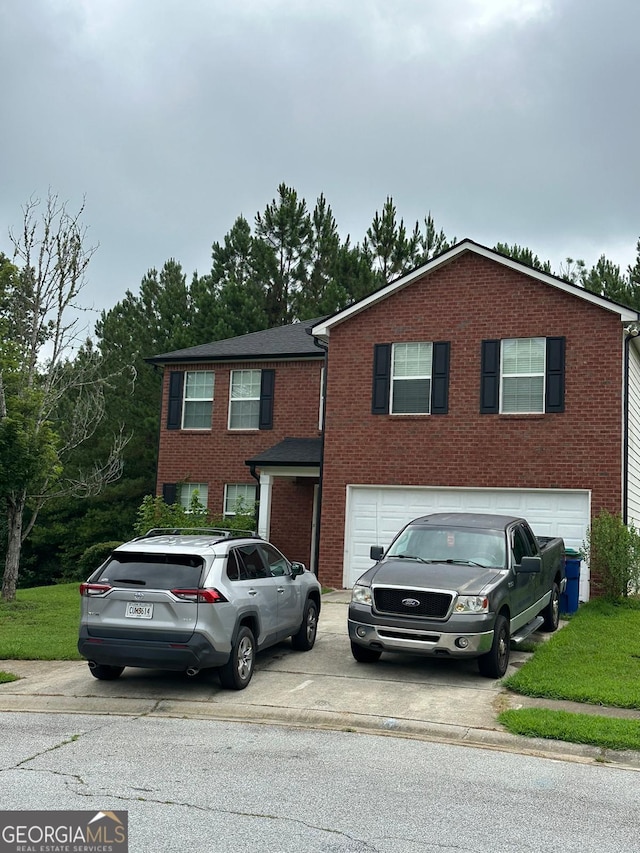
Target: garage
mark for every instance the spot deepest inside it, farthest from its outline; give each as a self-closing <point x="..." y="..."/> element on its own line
<point x="374" y="514"/>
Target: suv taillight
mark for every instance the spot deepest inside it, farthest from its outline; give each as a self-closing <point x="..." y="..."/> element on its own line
<point x="202" y="596"/>
<point x="89" y="589"/>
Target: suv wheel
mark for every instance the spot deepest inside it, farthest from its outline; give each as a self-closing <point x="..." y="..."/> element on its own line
<point x="105" y="673"/>
<point x="237" y="671"/>
<point x="305" y="637"/>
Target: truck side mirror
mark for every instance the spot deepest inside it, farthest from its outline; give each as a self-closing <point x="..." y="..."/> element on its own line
<point x="376" y="552"/>
<point x="530" y="565"/>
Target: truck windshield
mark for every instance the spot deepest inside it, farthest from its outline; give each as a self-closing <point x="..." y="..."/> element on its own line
<point x="451" y="545"/>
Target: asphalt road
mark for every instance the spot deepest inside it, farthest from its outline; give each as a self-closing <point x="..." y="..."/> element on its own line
<point x="216" y="787"/>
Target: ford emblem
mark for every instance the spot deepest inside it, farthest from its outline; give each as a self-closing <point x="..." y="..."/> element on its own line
<point x="410" y="602"/>
<point x="138" y="595"/>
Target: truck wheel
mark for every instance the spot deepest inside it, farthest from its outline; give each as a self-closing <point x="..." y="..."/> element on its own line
<point x="237" y="671"/>
<point x="494" y="664"/>
<point x="304" y="639"/>
<point x="364" y="655"/>
<point x="551" y="613"/>
<point x="104" y="672"/>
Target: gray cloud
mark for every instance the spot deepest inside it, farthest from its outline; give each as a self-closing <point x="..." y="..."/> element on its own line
<point x="511" y="120"/>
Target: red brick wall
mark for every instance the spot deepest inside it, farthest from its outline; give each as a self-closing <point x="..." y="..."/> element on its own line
<point x="291" y="517"/>
<point x="217" y="457"/>
<point x="470" y="300"/>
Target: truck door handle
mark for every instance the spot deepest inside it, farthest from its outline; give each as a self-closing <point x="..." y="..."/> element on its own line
<point x="281" y="589"/>
<point x="253" y="592"/>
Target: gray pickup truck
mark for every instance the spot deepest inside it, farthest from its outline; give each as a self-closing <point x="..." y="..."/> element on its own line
<point x="460" y="585"/>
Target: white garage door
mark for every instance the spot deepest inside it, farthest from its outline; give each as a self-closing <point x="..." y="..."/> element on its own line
<point x="374" y="514"/>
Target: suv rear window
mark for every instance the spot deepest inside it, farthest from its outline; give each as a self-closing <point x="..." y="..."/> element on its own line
<point x="157" y="571"/>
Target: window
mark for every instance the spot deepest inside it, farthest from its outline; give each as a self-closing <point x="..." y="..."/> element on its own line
<point x="252" y="563"/>
<point x="277" y="564"/>
<point x="198" y="400"/>
<point x="188" y="491"/>
<point x="411" y="385"/>
<point x="523" y="364"/>
<point x="244" y="404"/>
<point x="239" y="497"/>
<point x="321" y="410"/>
<point x="522" y="376"/>
<point x="411" y="379"/>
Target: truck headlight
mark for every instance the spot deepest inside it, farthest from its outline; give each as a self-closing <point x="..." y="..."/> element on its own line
<point x="471" y="604"/>
<point x="361" y="594"/>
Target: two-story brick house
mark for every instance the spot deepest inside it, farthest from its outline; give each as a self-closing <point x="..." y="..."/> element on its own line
<point x="474" y="382"/>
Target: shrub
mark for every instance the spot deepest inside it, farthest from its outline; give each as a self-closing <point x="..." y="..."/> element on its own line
<point x="154" y="512"/>
<point x="91" y="558"/>
<point x="612" y="550"/>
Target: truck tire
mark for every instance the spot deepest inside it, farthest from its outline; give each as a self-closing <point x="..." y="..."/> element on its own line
<point x="237" y="671"/>
<point x="551" y="613"/>
<point x="105" y="673"/>
<point x="303" y="640"/>
<point x="363" y="654"/>
<point x="495" y="662"/>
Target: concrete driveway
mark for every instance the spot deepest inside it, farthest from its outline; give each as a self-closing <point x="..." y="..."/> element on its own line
<point x="324" y="688"/>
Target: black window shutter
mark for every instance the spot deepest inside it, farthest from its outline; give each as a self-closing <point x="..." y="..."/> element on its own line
<point x="381" y="379"/>
<point x="174" y="412"/>
<point x="440" y="378"/>
<point x="490" y="378"/>
<point x="267" y="382"/>
<point x="169" y="493"/>
<point x="554" y="386"/>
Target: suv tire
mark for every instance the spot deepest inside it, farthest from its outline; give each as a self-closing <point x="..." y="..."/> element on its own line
<point x="237" y="671"/>
<point x="106" y="673"/>
<point x="305" y="637"/>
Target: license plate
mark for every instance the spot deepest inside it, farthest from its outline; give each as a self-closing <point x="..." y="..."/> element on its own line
<point x="139" y="611"/>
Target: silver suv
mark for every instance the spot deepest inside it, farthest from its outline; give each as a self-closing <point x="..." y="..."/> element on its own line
<point x="195" y="599"/>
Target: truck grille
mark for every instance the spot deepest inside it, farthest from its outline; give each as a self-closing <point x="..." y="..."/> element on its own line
<point x="431" y="604"/>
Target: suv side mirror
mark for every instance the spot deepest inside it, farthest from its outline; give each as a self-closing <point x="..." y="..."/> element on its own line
<point x="376" y="552"/>
<point x="297" y="569"/>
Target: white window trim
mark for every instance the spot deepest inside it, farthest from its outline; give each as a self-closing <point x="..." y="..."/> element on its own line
<point x="242" y="399"/>
<point x="186" y="399"/>
<point x="523" y="375"/>
<point x="395" y="379"/>
<point x="225" y="512"/>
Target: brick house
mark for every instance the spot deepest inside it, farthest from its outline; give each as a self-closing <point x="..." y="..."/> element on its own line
<point x="473" y="382"/>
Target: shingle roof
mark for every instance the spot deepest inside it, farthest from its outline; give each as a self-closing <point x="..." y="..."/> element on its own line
<point x="291" y="341"/>
<point x="304" y="452"/>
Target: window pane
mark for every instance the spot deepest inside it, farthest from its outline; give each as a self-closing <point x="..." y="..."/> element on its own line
<point x="244" y="414"/>
<point x="523" y="394"/>
<point x="235" y="492"/>
<point x="196" y="415"/>
<point x="523" y="355"/>
<point x="245" y="384"/>
<point x="411" y="396"/>
<point x="186" y="491"/>
<point x="412" y="359"/>
<point x="199" y="385"/>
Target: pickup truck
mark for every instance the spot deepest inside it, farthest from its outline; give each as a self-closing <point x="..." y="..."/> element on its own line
<point x="458" y="585"/>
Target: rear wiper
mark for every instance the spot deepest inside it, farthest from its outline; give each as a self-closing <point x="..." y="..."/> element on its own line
<point x="130" y="580"/>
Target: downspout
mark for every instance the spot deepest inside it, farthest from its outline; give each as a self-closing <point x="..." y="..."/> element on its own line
<point x="325" y="348"/>
<point x="632" y="331"/>
<point x="256" y="511"/>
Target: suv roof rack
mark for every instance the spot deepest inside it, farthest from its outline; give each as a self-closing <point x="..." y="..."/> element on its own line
<point x="220" y="532"/>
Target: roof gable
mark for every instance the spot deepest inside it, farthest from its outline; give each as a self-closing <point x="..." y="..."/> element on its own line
<point x="323" y="328"/>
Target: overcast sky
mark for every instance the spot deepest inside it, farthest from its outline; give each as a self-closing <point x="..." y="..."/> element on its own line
<point x="510" y="120"/>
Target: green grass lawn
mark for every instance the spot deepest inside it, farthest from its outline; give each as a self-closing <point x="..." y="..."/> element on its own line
<point x="41" y="624"/>
<point x="594" y="659"/>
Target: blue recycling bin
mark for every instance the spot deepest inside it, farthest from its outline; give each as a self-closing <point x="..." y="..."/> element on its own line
<point x="569" y="599"/>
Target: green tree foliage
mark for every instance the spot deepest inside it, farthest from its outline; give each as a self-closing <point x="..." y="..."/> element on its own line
<point x="155" y="513"/>
<point x="524" y="255"/>
<point x="49" y="405"/>
<point x="612" y="550"/>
